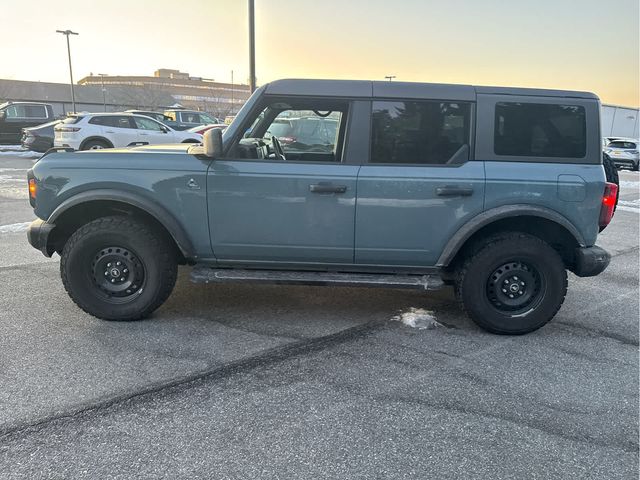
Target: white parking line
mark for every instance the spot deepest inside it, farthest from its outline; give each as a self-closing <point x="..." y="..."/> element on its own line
<point x="14" y="227"/>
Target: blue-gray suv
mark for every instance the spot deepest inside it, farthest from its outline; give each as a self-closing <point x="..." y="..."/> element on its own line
<point x="496" y="191"/>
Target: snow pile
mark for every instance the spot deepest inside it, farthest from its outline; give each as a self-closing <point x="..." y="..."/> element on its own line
<point x="14" y="227"/>
<point x="418" y="318"/>
<point x="21" y="153"/>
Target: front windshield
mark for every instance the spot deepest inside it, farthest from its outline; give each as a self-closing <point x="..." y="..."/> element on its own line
<point x="207" y="119"/>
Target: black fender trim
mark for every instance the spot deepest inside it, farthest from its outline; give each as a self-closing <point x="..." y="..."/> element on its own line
<point x="154" y="209"/>
<point x="500" y="213"/>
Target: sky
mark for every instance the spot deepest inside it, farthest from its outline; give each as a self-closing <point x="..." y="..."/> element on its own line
<point x="590" y="45"/>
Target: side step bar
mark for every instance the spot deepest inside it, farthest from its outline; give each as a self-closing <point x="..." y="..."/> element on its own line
<point x="205" y="274"/>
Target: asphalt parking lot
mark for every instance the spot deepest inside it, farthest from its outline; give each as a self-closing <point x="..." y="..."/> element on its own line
<point x="239" y="381"/>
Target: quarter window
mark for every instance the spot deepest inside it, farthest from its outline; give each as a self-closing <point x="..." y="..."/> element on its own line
<point x="432" y="133"/>
<point x="540" y="130"/>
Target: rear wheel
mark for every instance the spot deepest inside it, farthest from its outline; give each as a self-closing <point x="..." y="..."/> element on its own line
<point x="118" y="268"/>
<point x="95" y="145"/>
<point x="513" y="284"/>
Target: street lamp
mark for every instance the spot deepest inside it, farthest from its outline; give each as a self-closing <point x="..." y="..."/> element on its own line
<point x="231" y="92"/>
<point x="252" y="48"/>
<point x="66" y="33"/>
<point x="389" y="77"/>
<point x="104" y="96"/>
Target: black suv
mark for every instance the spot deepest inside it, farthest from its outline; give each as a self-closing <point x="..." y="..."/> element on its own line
<point x="14" y="116"/>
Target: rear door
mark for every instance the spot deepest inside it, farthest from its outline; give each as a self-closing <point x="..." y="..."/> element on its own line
<point x="121" y="130"/>
<point x="421" y="183"/>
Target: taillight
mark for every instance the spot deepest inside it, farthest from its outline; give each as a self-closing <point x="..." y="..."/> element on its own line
<point x="608" y="203"/>
<point x="33" y="190"/>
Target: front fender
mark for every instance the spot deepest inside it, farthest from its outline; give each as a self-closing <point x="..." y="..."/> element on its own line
<point x="154" y="209"/>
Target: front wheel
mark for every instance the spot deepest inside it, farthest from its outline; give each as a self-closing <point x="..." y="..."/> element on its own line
<point x="513" y="284"/>
<point x="118" y="268"/>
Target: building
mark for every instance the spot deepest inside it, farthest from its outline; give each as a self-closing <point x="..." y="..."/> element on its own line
<point x="617" y="121"/>
<point x="218" y="98"/>
<point x="89" y="98"/>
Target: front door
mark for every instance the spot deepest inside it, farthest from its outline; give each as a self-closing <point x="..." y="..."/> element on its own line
<point x="152" y="132"/>
<point x="419" y="186"/>
<point x="276" y="199"/>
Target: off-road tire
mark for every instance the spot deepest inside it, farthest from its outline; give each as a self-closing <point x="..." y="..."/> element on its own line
<point x="611" y="173"/>
<point x="154" y="256"/>
<point x="479" y="270"/>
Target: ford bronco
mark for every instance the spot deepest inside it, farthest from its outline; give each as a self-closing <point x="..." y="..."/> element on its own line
<point x="496" y="191"/>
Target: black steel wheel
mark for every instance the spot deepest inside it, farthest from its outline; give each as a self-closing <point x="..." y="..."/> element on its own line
<point x="118" y="273"/>
<point x="118" y="268"/>
<point x="515" y="287"/>
<point x="512" y="283"/>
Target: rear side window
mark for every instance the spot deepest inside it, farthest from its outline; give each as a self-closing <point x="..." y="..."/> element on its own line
<point x="540" y="130"/>
<point x="36" y="111"/>
<point x="432" y="133"/>
<point x="112" y="121"/>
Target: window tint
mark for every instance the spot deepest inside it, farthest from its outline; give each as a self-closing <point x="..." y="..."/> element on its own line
<point x="147" y="124"/>
<point x="625" y="145"/>
<point x="36" y="111"/>
<point x="540" y="130"/>
<point x="420" y="132"/>
<point x="189" y="117"/>
<point x="111" y="121"/>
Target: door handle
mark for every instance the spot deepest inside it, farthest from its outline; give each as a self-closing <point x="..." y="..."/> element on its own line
<point x="109" y="131"/>
<point x="454" y="191"/>
<point x="143" y="133"/>
<point x="327" y="188"/>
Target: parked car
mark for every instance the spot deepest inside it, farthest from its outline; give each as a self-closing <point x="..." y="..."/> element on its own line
<point x="14" y="116"/>
<point x="498" y="191"/>
<point x="162" y="118"/>
<point x="203" y="128"/>
<point x="190" y="118"/>
<point x="40" y="138"/>
<point x="95" y="131"/>
<point x="624" y="153"/>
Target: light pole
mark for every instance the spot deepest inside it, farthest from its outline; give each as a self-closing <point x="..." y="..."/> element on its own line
<point x="104" y="92"/>
<point x="252" y="48"/>
<point x="231" y="92"/>
<point x="66" y="33"/>
<point x="390" y="77"/>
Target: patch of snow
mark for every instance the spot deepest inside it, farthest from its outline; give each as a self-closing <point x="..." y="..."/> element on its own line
<point x="418" y="318"/>
<point x="21" y="153"/>
<point x="14" y="227"/>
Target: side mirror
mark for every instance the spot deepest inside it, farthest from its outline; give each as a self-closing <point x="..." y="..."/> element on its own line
<point x="164" y="129"/>
<point x="212" y="142"/>
<point x="3" y="115"/>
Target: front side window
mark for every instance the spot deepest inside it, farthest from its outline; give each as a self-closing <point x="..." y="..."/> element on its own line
<point x="423" y="132"/>
<point x="540" y="130"/>
<point x="296" y="130"/>
<point x="16" y="111"/>
<point x="147" y="124"/>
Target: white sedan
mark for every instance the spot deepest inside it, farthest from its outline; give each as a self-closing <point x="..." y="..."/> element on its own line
<point x="88" y="131"/>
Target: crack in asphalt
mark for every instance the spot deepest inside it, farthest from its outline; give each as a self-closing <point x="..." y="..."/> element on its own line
<point x="268" y="357"/>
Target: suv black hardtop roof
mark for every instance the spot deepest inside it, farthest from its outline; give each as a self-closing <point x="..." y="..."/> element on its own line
<point x="385" y="89"/>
